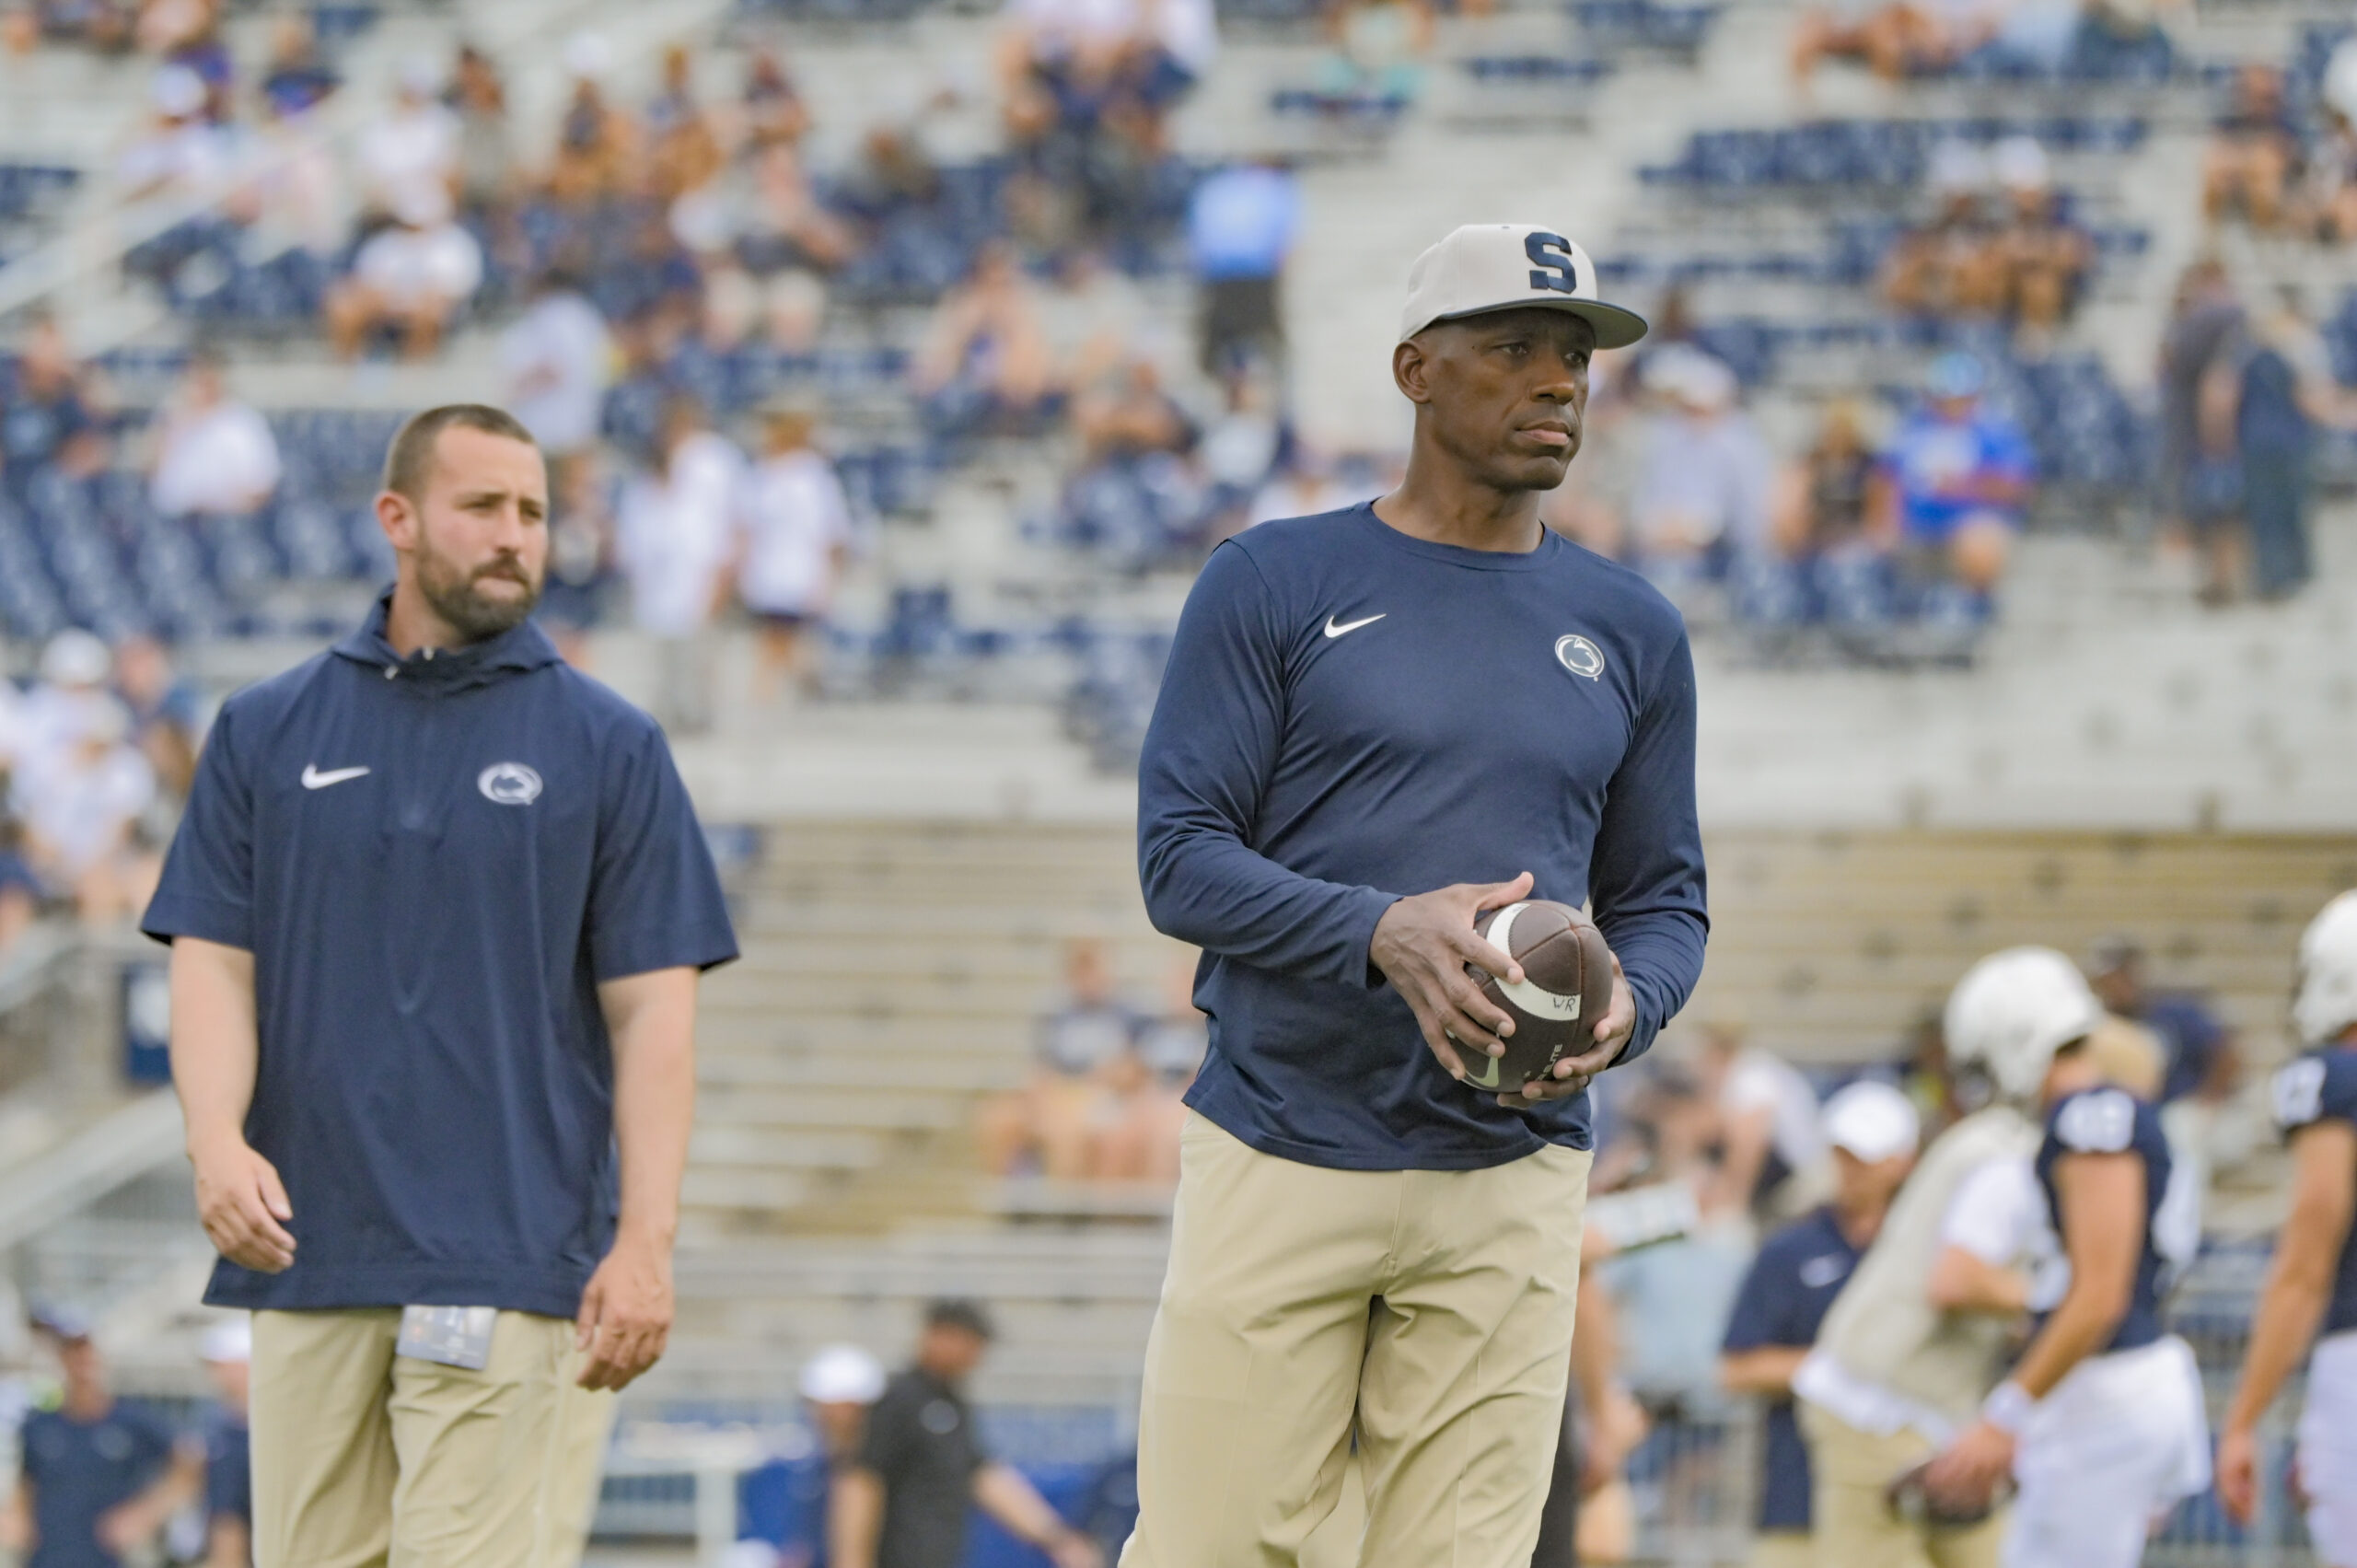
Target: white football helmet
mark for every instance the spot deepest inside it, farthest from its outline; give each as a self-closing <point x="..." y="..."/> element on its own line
<point x="2013" y="1011"/>
<point x="2326" y="1003"/>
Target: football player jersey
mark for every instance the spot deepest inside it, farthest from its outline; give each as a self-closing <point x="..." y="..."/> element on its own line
<point x="2318" y="1087"/>
<point x="2106" y="1121"/>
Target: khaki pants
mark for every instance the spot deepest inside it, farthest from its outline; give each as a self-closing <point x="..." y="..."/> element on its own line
<point x="362" y="1460"/>
<point x="1430" y="1312"/>
<point x="1785" y="1549"/>
<point x="1852" y="1523"/>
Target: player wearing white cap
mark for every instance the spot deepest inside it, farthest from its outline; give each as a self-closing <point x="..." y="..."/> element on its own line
<point x="1376" y="723"/>
<point x="2100" y="1422"/>
<point x="2312" y="1284"/>
<point x="1872" y="1130"/>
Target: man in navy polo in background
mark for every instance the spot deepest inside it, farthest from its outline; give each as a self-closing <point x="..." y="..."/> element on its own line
<point x="1872" y="1130"/>
<point x="437" y="909"/>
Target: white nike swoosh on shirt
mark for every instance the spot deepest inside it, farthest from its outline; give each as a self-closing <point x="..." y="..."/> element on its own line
<point x="1334" y="631"/>
<point x="314" y="779"/>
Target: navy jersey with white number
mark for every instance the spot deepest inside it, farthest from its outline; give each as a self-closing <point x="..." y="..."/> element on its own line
<point x="2323" y="1088"/>
<point x="2112" y="1121"/>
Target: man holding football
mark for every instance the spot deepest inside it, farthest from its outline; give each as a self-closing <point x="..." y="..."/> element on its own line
<point x="1377" y="725"/>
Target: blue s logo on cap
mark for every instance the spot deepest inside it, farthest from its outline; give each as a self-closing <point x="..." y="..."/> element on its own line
<point x="1551" y="254"/>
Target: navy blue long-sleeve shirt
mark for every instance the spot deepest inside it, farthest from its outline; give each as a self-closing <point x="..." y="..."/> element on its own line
<point x="1350" y="715"/>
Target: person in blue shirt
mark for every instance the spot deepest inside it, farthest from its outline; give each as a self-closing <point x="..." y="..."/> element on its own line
<point x="228" y="1462"/>
<point x="437" y="909"/>
<point x="2309" y="1306"/>
<point x="1958" y="477"/>
<point x="1376" y="725"/>
<point x="1873" y="1129"/>
<point x="100" y="1475"/>
<point x="1241" y="223"/>
<point x="2204" y="1059"/>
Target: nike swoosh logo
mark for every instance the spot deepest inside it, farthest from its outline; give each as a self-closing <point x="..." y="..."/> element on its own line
<point x="314" y="779"/>
<point x="1487" y="1078"/>
<point x="1334" y="631"/>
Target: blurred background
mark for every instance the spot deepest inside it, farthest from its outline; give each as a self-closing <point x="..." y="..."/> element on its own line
<point x="899" y="362"/>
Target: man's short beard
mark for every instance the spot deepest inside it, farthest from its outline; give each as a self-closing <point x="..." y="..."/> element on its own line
<point x="452" y="595"/>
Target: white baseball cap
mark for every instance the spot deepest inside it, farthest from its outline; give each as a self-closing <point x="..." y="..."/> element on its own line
<point x="1504" y="266"/>
<point x="1871" y="1120"/>
<point x="843" y="1374"/>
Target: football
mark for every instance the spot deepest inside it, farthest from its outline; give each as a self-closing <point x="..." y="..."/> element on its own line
<point x="1566" y="987"/>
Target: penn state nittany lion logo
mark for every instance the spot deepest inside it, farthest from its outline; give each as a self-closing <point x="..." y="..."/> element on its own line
<point x="509" y="783"/>
<point x="1579" y="655"/>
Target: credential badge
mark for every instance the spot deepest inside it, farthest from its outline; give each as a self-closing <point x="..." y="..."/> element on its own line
<point x="1580" y="657"/>
<point x="509" y="783"/>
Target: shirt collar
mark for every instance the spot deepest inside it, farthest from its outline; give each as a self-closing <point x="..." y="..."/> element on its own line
<point x="513" y="652"/>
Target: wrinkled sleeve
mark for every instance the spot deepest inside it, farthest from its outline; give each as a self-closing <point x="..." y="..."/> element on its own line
<point x="654" y="898"/>
<point x="1647" y="879"/>
<point x="1209" y="756"/>
<point x="207" y="887"/>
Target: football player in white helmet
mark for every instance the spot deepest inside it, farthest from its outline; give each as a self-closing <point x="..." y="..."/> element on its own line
<point x="2311" y="1290"/>
<point x="2100" y="1423"/>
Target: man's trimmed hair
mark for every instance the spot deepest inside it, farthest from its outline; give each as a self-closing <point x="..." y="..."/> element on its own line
<point x="408" y="462"/>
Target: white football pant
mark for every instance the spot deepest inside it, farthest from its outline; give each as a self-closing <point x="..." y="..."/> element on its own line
<point x="2328" y="1450"/>
<point x="2104" y="1455"/>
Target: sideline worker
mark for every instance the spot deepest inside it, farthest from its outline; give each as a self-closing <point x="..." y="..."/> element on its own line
<point x="437" y="910"/>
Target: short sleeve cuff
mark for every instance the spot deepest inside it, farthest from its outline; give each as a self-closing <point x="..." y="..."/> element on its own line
<point x="620" y="954"/>
<point x="208" y="920"/>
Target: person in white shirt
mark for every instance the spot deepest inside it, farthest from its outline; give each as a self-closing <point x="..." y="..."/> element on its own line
<point x="797" y="527"/>
<point x="412" y="276"/>
<point x="79" y="810"/>
<point x="676" y="529"/>
<point x="557" y="360"/>
<point x="216" y="455"/>
<point x="1775" y="1159"/>
<point x="414" y="145"/>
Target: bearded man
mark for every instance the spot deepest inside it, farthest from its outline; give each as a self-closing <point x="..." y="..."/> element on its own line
<point x="437" y="909"/>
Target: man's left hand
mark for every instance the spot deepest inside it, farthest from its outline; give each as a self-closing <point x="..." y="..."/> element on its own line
<point x="1571" y="1073"/>
<point x="625" y="1317"/>
<point x="1968" y="1475"/>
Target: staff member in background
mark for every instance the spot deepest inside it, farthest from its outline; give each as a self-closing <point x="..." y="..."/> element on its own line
<point x="1872" y="1130"/>
<point x="228" y="1458"/>
<point x="922" y="1468"/>
<point x="100" y="1476"/>
<point x="1377" y="724"/>
<point x="437" y="909"/>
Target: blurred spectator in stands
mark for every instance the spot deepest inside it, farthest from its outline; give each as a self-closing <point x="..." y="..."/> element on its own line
<point x="770" y="211"/>
<point x="2328" y="201"/>
<point x="414" y="148"/>
<point x="2254" y="151"/>
<point x="596" y="144"/>
<point x="1896" y="40"/>
<point x="676" y="531"/>
<point x="1872" y="1130"/>
<point x="1304" y="485"/>
<point x="100" y="1476"/>
<point x="985" y="364"/>
<point x="1825" y="500"/>
<point x="1960" y="480"/>
<point x="168" y="714"/>
<point x="797" y="536"/>
<point x="1772" y="1149"/>
<point x="1241" y="223"/>
<point x="49" y="418"/>
<point x="1704" y="478"/>
<point x="486" y="163"/>
<point x="296" y="78"/>
<point x="581" y="534"/>
<point x="1093" y="316"/>
<point x="2044" y="256"/>
<point x="1242" y="449"/>
<point x="1141" y="1144"/>
<point x="82" y="813"/>
<point x="179" y="154"/>
<point x="770" y="105"/>
<point x="227" y="1353"/>
<point x="103" y="25"/>
<point x="1949" y="267"/>
<point x="215" y="455"/>
<point x="410" y="279"/>
<point x="2200" y="482"/>
<point x="922" y="1468"/>
<point x="1049" y="1124"/>
<point x="2284" y="391"/>
<point x="2203" y="1058"/>
<point x="683" y="150"/>
<point x="74" y="673"/>
<point x="20" y="900"/>
<point x="1376" y="53"/>
<point x="1132" y="498"/>
<point x="556" y="360"/>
